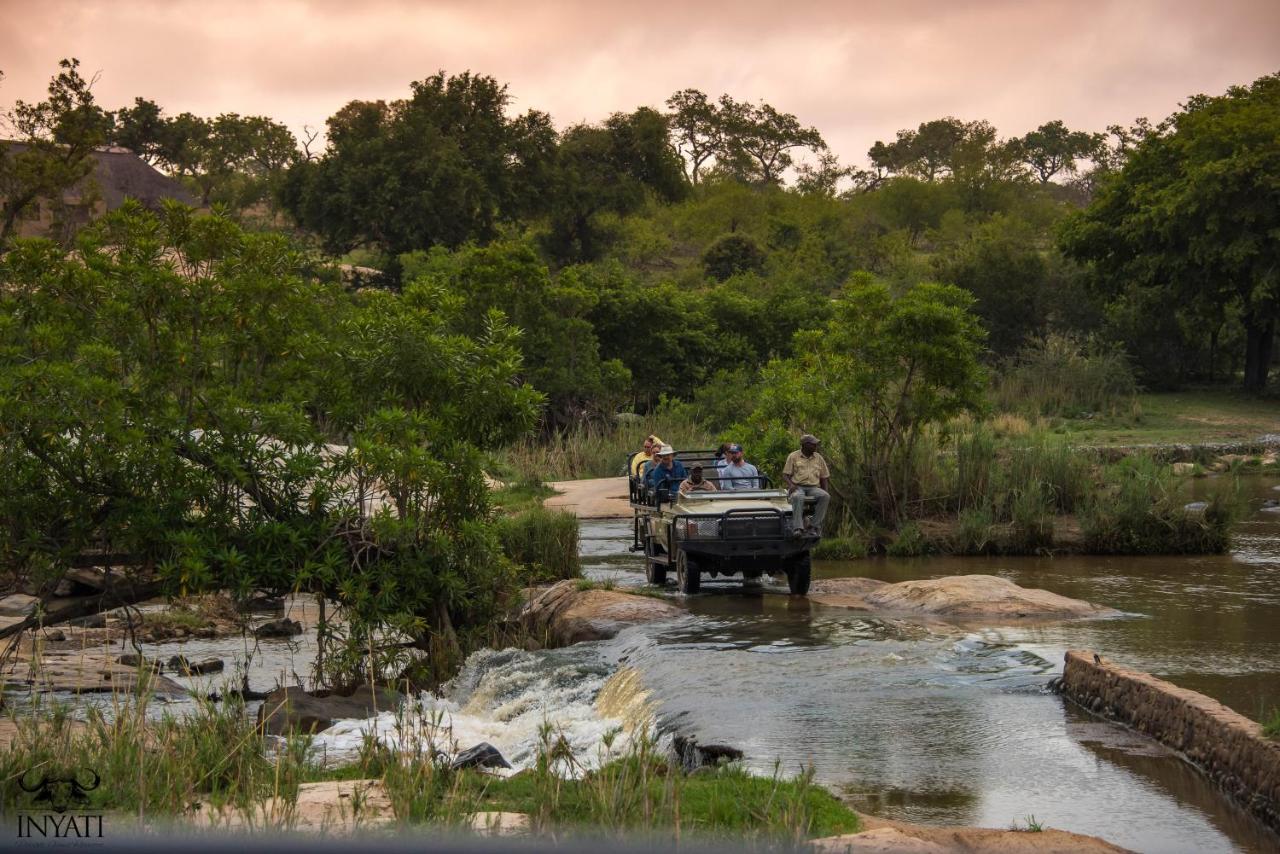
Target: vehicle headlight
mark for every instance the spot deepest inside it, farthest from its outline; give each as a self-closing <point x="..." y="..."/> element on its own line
<point x="693" y="528"/>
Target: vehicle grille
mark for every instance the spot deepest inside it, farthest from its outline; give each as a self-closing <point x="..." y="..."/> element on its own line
<point x="750" y="527"/>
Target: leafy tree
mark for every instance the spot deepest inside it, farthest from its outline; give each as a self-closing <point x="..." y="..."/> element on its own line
<point x="1008" y="277"/>
<point x="140" y="129"/>
<point x="607" y="170"/>
<point x="757" y="140"/>
<point x="57" y="136"/>
<point x="197" y="415"/>
<point x="695" y="124"/>
<point x="881" y="371"/>
<point x="1193" y="213"/>
<point x="442" y="167"/>
<point x="560" y="350"/>
<point x="1052" y="149"/>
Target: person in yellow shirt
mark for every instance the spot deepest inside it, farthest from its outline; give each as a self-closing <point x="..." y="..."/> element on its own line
<point x="651" y="445"/>
<point x="807" y="475"/>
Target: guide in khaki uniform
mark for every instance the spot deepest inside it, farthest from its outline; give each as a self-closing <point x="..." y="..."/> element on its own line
<point x="807" y="476"/>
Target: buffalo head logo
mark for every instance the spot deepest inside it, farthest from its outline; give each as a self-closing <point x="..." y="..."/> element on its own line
<point x="62" y="793"/>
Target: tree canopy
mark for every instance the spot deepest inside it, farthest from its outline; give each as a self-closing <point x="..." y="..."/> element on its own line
<point x="179" y="401"/>
<point x="1193" y="215"/>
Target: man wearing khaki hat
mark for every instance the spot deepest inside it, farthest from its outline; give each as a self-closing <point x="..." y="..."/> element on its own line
<point x="807" y="476"/>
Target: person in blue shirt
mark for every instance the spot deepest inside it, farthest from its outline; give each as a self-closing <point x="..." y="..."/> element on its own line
<point x="736" y="473"/>
<point x="667" y="467"/>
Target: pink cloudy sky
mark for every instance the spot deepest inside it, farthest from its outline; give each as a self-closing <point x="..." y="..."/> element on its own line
<point x="856" y="70"/>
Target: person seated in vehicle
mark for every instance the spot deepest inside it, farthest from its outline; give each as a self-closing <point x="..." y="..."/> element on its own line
<point x="667" y="467"/>
<point x="695" y="482"/>
<point x="638" y="460"/>
<point x="807" y="476"/>
<point x="735" y="472"/>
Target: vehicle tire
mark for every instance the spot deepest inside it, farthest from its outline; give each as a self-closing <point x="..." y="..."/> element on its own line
<point x="688" y="576"/>
<point x="798" y="575"/>
<point x="655" y="572"/>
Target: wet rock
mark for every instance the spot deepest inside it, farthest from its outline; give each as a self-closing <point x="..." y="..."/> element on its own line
<point x="500" y="823"/>
<point x="962" y="597"/>
<point x="693" y="755"/>
<point x="17" y="605"/>
<point x="562" y="614"/>
<point x="262" y="601"/>
<point x="199" y="668"/>
<point x="134" y="660"/>
<point x="288" y="709"/>
<point x="55" y="635"/>
<point x="281" y="628"/>
<point x="93" y="621"/>
<point x="87" y="672"/>
<point x="91" y="578"/>
<point x="483" y="755"/>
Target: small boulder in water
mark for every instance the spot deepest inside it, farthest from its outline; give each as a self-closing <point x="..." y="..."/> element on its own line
<point x="282" y="628"/>
<point x="483" y="755"/>
<point x="292" y="708"/>
<point x="693" y="756"/>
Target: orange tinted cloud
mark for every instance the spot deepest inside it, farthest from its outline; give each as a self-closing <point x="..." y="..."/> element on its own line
<point x="857" y="71"/>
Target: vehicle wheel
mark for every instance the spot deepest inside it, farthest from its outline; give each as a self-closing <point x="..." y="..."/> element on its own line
<point x="655" y="572"/>
<point x="798" y="575"/>
<point x="688" y="576"/>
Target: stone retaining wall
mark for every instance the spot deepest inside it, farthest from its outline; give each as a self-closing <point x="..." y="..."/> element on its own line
<point x="1224" y="744"/>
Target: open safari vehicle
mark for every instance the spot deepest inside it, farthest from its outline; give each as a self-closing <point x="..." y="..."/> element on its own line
<point x="744" y="527"/>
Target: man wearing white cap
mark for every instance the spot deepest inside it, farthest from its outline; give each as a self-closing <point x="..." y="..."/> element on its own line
<point x="667" y="467"/>
<point x="807" y="476"/>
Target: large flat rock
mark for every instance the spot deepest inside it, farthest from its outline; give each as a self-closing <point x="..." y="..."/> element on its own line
<point x="900" y="837"/>
<point x="963" y="597"/>
<point x="563" y="614"/>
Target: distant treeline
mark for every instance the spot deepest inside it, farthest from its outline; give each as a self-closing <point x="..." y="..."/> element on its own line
<point x="675" y="251"/>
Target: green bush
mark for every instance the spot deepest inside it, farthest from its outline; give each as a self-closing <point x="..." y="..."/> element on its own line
<point x="1031" y="513"/>
<point x="910" y="542"/>
<point x="975" y="532"/>
<point x="1137" y="511"/>
<point x="544" y="543"/>
<point x="840" y="548"/>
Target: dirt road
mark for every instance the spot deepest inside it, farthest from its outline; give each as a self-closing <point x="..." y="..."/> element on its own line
<point x="601" y="498"/>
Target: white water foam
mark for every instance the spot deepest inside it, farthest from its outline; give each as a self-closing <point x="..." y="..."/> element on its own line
<point x="503" y="697"/>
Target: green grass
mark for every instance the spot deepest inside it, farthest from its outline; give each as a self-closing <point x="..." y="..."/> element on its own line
<point x="153" y="771"/>
<point x="840" y="548"/>
<point x="520" y="495"/>
<point x="644" y="794"/>
<point x="1191" y="417"/>
<point x="1271" y="725"/>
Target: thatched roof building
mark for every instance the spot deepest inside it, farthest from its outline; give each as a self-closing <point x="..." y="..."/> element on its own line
<point x="117" y="174"/>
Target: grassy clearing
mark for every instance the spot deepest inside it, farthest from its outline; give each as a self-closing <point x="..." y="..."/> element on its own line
<point x="1192" y="417"/>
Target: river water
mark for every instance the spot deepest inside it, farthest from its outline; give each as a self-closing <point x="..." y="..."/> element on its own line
<point x="943" y="724"/>
<point x="909" y="719"/>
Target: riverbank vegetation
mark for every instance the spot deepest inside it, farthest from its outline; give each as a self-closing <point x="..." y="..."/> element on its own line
<point x="215" y="770"/>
